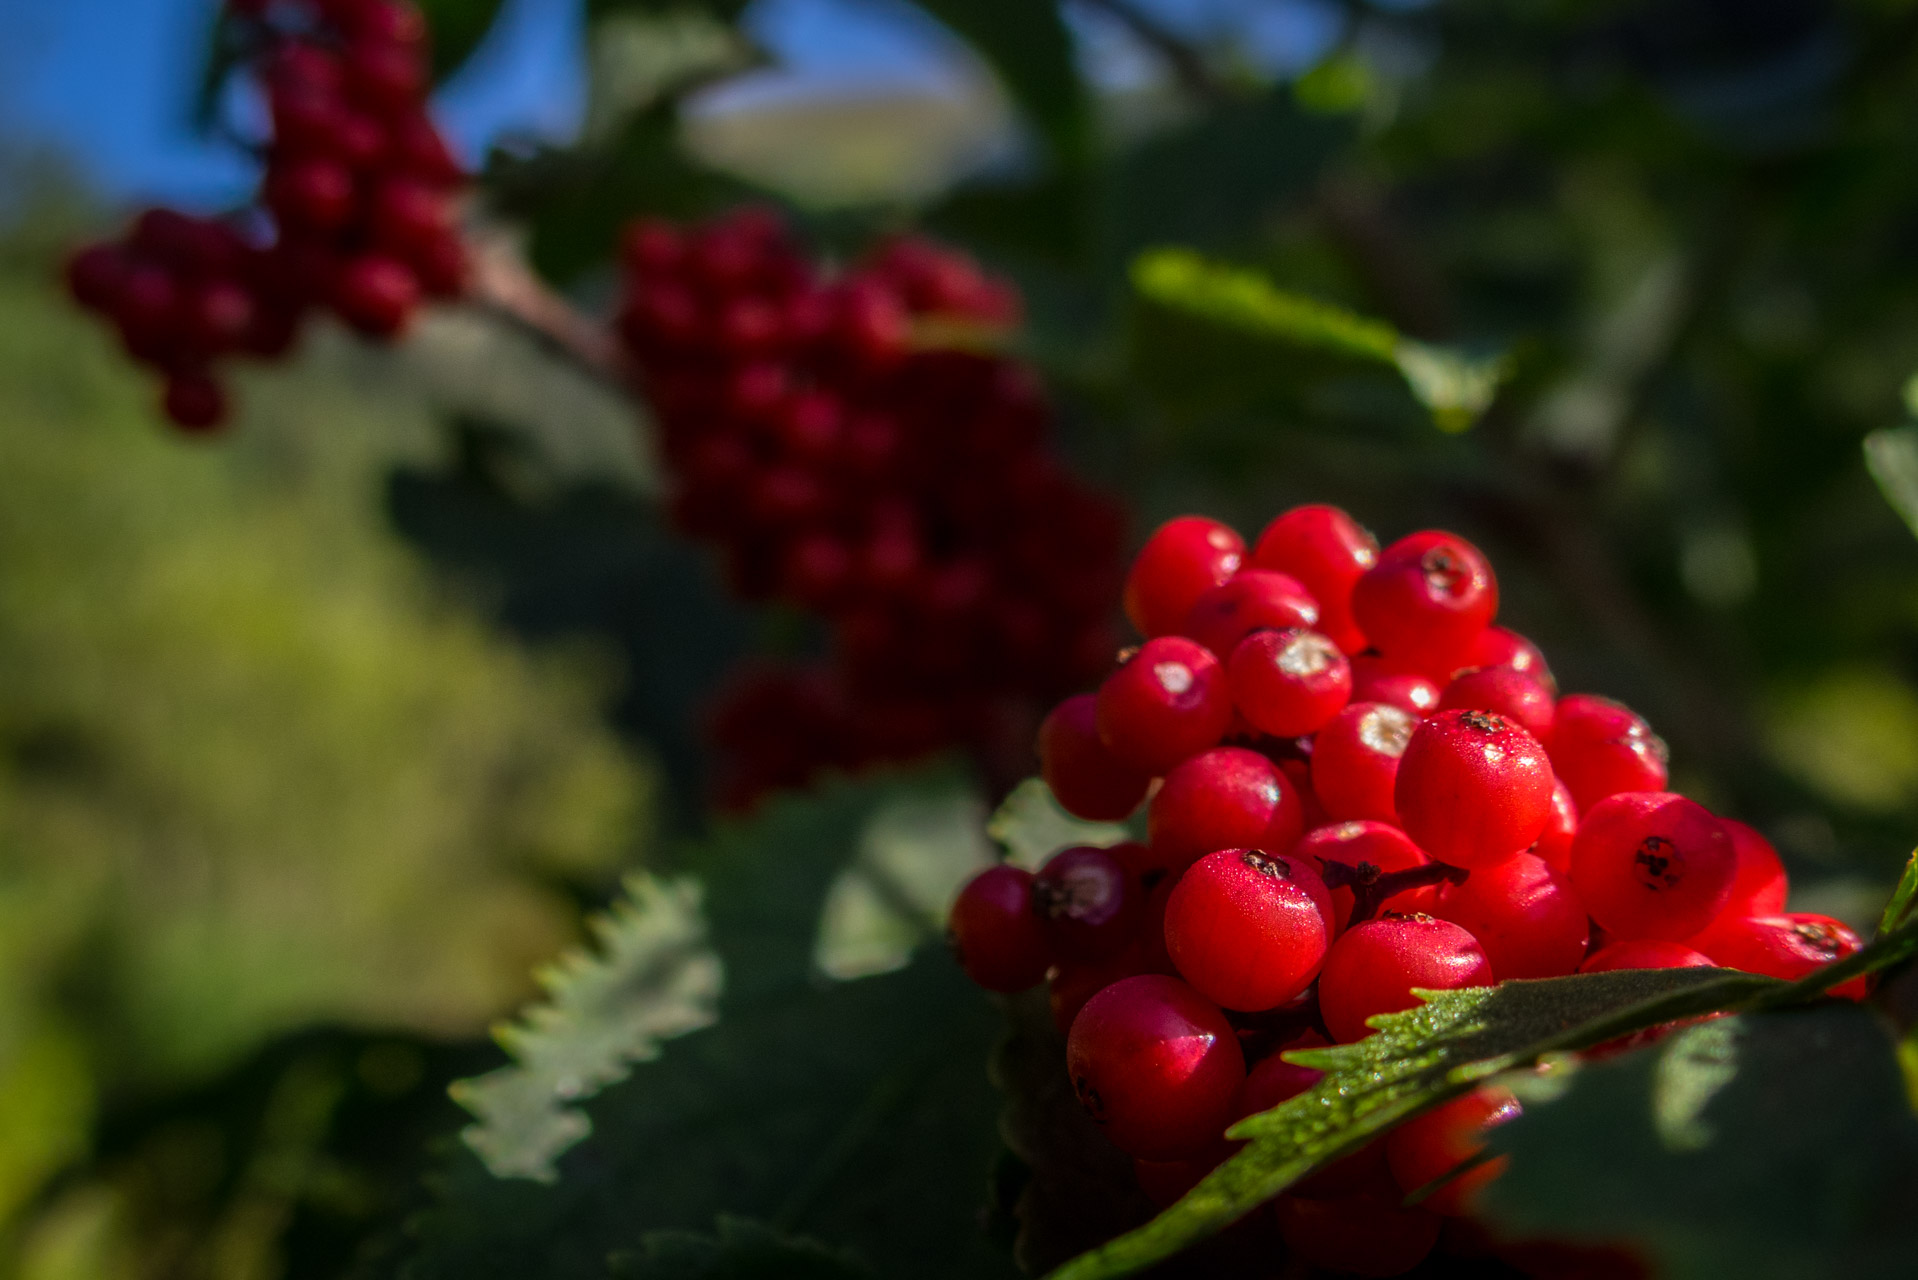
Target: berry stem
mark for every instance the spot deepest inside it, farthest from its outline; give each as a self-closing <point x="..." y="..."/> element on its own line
<point x="1370" y="886"/>
<point x="503" y="287"/>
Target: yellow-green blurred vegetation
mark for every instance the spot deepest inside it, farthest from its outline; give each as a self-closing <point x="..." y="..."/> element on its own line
<point x="258" y="769"/>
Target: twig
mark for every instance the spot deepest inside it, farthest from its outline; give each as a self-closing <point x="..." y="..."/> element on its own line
<point x="503" y="287"/>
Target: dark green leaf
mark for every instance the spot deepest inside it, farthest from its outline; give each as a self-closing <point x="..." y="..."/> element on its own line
<point x="1891" y="455"/>
<point x="1027" y="44"/>
<point x="1771" y="1145"/>
<point x="740" y="1250"/>
<point x="458" y="26"/>
<point x="1898" y="910"/>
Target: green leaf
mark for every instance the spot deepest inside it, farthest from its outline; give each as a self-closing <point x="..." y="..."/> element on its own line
<point x="741" y="1250"/>
<point x="1026" y="43"/>
<point x="1891" y="455"/>
<point x="1771" y="1145"/>
<point x="458" y="27"/>
<point x="1030" y="826"/>
<point x="1903" y="897"/>
<point x="1420" y="1058"/>
<point x="1454" y="387"/>
<point x="651" y="977"/>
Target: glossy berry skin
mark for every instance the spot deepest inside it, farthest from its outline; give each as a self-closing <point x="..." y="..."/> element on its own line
<point x="1789" y="946"/>
<point x="1225" y="798"/>
<point x="1651" y="864"/>
<point x="1516" y="695"/>
<point x="1376" y="680"/>
<point x="1327" y="551"/>
<point x="1473" y="788"/>
<point x="1555" y="842"/>
<point x="1502" y="647"/>
<point x="1600" y="748"/>
<point x="1426" y="601"/>
<point x="1181" y="561"/>
<point x="1644" y="953"/>
<point x="1760" y="887"/>
<point x="1086" y="903"/>
<point x="1523" y="913"/>
<point x="1250" y="600"/>
<point x="1288" y="683"/>
<point x="1168" y="701"/>
<point x="1378" y="844"/>
<point x="1248" y="929"/>
<point x="1374" y="966"/>
<point x="1157" y="1065"/>
<point x="997" y="939"/>
<point x="1427" y="1147"/>
<point x="1367" y="1234"/>
<point x="1086" y="779"/>
<point x="1355" y="761"/>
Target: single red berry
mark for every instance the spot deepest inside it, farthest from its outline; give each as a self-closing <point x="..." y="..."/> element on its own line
<point x="1473" y="788"/>
<point x="94" y="275"/>
<point x="1506" y="691"/>
<point x="1246" y="602"/>
<point x="1502" y="647"/>
<point x="1760" y="887"/>
<point x="997" y="939"/>
<point x="311" y="194"/>
<point x="195" y="402"/>
<point x="1086" y="901"/>
<point x="1225" y="798"/>
<point x="1168" y="701"/>
<point x="1157" y="1065"/>
<point x="1248" y="929"/>
<point x="1555" y="842"/>
<point x="376" y="295"/>
<point x="1374" y="966"/>
<point x="1789" y="946"/>
<point x="1600" y="748"/>
<point x="1524" y="915"/>
<point x="1428" y="1147"/>
<point x="1376" y="680"/>
<point x="218" y="316"/>
<point x="408" y="214"/>
<point x="1359" y="845"/>
<point x="1180" y="562"/>
<point x="1370" y="1233"/>
<point x="148" y="302"/>
<point x="1327" y="551"/>
<point x="385" y="77"/>
<point x="1288" y="683"/>
<point x="1644" y="953"/>
<point x="1426" y="601"/>
<point x="1651" y="864"/>
<point x="1355" y="761"/>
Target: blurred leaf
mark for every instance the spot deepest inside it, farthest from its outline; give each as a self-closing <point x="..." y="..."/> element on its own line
<point x="740" y="1250"/>
<point x="1898" y="910"/>
<point x="1031" y="826"/>
<point x="458" y="27"/>
<point x="724" y="10"/>
<point x="854" y="1112"/>
<point x="1027" y="44"/>
<point x="1891" y="455"/>
<point x="1764" y="1146"/>
<point x="649" y="978"/>
<point x="1454" y="387"/>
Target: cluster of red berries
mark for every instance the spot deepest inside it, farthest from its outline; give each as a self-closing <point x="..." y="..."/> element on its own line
<point x="357" y="209"/>
<point x="854" y="447"/>
<point x="1357" y="786"/>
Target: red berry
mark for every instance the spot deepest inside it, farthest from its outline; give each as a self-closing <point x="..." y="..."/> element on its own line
<point x="1376" y="680"/>
<point x="1379" y="845"/>
<point x="1427" y="1147"/>
<point x="195" y="402"/>
<point x="94" y="276"/>
<point x="1248" y="929"/>
<point x="1555" y="842"/>
<point x="1180" y="562"/>
<point x="1327" y="551"/>
<point x="1473" y="788"/>
<point x="1087" y="903"/>
<point x="377" y="295"/>
<point x="1076" y="981"/>
<point x="997" y="939"/>
<point x="218" y="316"/>
<point x="1249" y="600"/>
<point x="1274" y="1080"/>
<point x="1288" y="683"/>
<point x="1355" y="761"/>
<point x="1373" y="967"/>
<point x="408" y="215"/>
<point x="1507" y="691"/>
<point x="1644" y="953"/>
<point x="148" y="302"/>
<point x="311" y="194"/>
<point x="1225" y="798"/>
<point x="1600" y="748"/>
<point x="1524" y="915"/>
<point x="1168" y="701"/>
<point x="1157" y="1065"/>
<point x="1650" y="864"/>
<point x="1426" y="601"/>
<point x="1500" y="647"/>
<point x="385" y="77"/>
<point x="1784" y="946"/>
<point x="1760" y="887"/>
<point x="1367" y="1234"/>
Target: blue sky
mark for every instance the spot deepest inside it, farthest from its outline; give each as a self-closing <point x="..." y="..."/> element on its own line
<point x="106" y="83"/>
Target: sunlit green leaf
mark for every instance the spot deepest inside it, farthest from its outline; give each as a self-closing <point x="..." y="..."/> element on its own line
<point x="1891" y="455"/>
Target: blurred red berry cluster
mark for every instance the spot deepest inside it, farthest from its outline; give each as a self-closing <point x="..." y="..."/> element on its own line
<point x="355" y="212"/>
<point x="853" y="446"/>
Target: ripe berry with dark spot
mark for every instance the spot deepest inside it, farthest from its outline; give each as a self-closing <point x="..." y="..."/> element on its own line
<point x="1248" y="929"/>
<point x="1157" y="1065"/>
<point x="1426" y="601"/>
<point x="1651" y="864"/>
<point x="1789" y="946"/>
<point x="1086" y="902"/>
<point x="1473" y="788"/>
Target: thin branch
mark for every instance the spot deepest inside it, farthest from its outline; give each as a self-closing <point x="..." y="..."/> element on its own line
<point x="503" y="287"/>
<point x="1187" y="65"/>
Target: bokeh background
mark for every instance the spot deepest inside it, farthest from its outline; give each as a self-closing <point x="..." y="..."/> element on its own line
<point x="316" y="742"/>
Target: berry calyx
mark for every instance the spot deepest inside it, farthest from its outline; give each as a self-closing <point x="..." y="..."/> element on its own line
<point x="1087" y="904"/>
<point x="1248" y="928"/>
<point x="1373" y="967"/>
<point x="1288" y="683"/>
<point x="1651" y="864"/>
<point x="1472" y="788"/>
<point x="1156" y="1065"/>
<point x="994" y="934"/>
<point x="1355" y="761"/>
<point x="1506" y="691"/>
